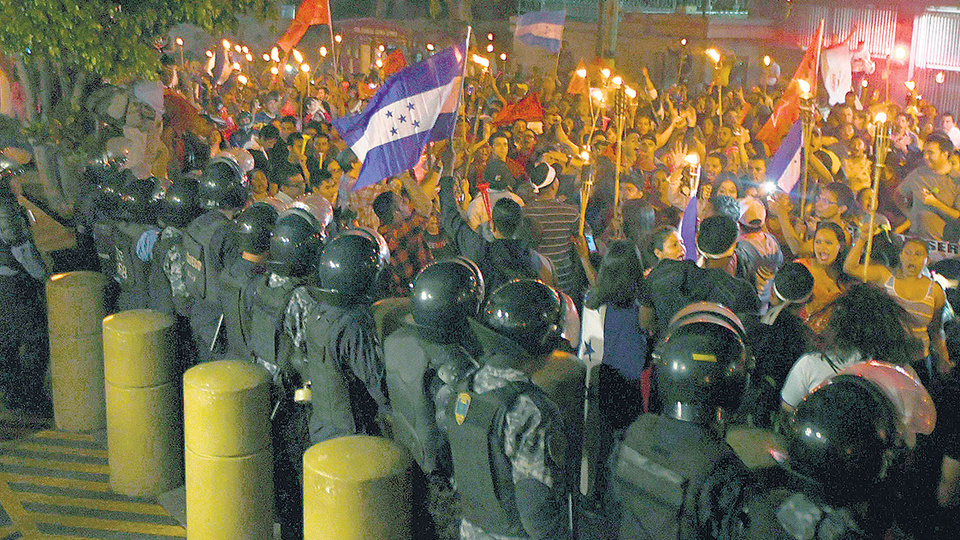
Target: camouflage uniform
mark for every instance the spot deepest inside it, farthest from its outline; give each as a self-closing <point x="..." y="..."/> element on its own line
<point x="527" y="434"/>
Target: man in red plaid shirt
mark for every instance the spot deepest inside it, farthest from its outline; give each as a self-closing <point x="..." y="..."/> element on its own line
<point x="404" y="230"/>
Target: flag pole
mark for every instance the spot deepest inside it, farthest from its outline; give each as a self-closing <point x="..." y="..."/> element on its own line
<point x="881" y="147"/>
<point x="461" y="107"/>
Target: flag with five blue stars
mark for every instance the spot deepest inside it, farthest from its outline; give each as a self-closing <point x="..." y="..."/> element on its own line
<point x="415" y="106"/>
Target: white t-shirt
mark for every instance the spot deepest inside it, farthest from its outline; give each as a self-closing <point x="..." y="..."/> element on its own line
<point x="812" y="369"/>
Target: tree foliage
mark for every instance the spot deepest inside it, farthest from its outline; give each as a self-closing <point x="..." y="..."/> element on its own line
<point x="64" y="48"/>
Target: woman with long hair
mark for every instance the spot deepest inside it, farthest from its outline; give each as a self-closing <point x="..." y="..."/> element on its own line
<point x="918" y="294"/>
<point x="865" y="324"/>
<point x="826" y="266"/>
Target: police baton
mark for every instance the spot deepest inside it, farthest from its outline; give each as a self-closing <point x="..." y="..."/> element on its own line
<point x="216" y="335"/>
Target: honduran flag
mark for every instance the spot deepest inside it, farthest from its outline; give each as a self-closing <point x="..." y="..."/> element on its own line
<point x="541" y="29"/>
<point x="416" y="106"/>
<point x="787" y="164"/>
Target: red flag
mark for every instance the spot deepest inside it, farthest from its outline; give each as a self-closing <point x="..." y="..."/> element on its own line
<point x="528" y="108"/>
<point x="787" y="110"/>
<point x="309" y="13"/>
<point x="393" y="62"/>
<point x="578" y="84"/>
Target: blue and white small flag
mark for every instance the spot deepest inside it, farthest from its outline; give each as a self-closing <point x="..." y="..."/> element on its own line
<point x="415" y="106"/>
<point x="541" y="29"/>
<point x="787" y="163"/>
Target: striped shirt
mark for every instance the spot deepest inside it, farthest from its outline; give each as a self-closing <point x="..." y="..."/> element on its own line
<point x="558" y="225"/>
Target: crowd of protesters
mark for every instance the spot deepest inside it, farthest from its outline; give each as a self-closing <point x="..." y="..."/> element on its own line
<point x="534" y="195"/>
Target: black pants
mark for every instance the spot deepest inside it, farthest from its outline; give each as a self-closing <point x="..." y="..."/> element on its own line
<point x="24" y="351"/>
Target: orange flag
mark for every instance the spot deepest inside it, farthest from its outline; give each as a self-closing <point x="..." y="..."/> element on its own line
<point x="528" y="108"/>
<point x="393" y="62"/>
<point x="786" y="112"/>
<point x="309" y="13"/>
<point x="578" y="84"/>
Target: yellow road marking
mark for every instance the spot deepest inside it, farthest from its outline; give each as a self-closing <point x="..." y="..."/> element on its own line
<point x="57" y="465"/>
<point x="94" y="504"/>
<point x="109" y="525"/>
<point x="21" y="518"/>
<point x="40" y="447"/>
<point x="68" y="483"/>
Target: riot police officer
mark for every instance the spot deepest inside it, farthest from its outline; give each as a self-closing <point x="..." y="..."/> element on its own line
<point x="844" y="445"/>
<point x="424" y="360"/>
<point x="180" y="205"/>
<point x="294" y="250"/>
<point x="209" y="242"/>
<point x="506" y="437"/>
<point x="334" y="327"/>
<point x="254" y="229"/>
<point x="134" y="235"/>
<point x="23" y="336"/>
<point x="673" y="476"/>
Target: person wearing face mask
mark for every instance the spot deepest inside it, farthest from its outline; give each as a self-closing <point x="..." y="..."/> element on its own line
<point x="918" y="294"/>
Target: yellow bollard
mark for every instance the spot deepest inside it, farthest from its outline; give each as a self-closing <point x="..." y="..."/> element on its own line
<point x="144" y="432"/>
<point x="229" y="467"/>
<point x="74" y="316"/>
<point x="356" y="488"/>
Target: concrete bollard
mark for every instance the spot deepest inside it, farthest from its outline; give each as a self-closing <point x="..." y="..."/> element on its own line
<point x="229" y="464"/>
<point x="356" y="488"/>
<point x="144" y="430"/>
<point x="75" y="312"/>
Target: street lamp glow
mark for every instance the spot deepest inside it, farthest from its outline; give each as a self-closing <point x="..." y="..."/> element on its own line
<point x="766" y="60"/>
<point x="243" y="79"/>
<point x="881" y="117"/>
<point x="275" y="54"/>
<point x="305" y="68"/>
<point x="582" y="73"/>
<point x="266" y="57"/>
<point x="338" y="38"/>
<point x="481" y="61"/>
<point x="226" y="44"/>
<point x="274" y="70"/>
<point x="297" y="56"/>
<point x="323" y="51"/>
<point x="900" y="52"/>
<point x="713" y="54"/>
<point x="180" y="41"/>
<point x="490" y="48"/>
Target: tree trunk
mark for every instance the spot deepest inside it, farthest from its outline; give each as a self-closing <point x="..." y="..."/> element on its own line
<point x="45" y="158"/>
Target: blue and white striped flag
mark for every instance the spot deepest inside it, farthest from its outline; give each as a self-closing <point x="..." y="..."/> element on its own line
<point x="786" y="165"/>
<point x="541" y="29"/>
<point x="415" y="106"/>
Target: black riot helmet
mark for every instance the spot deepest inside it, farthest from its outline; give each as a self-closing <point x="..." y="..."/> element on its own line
<point x="222" y="185"/>
<point x="136" y="199"/>
<point x="521" y="319"/>
<point x="843" y="436"/>
<point x="254" y="228"/>
<point x="445" y="294"/>
<point x="295" y="244"/>
<point x="701" y="363"/>
<point x="318" y="207"/>
<point x="350" y="267"/>
<point x="181" y="203"/>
